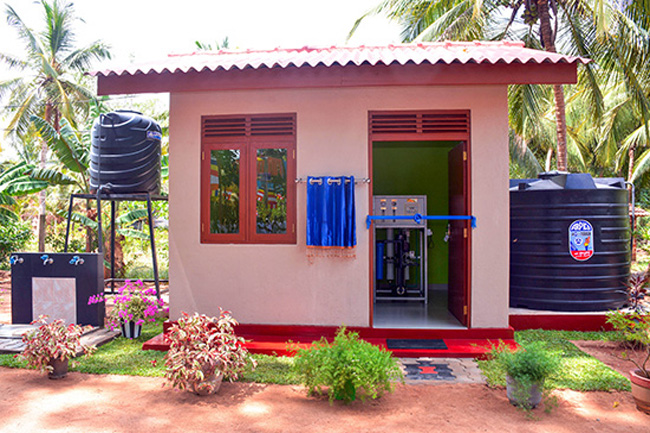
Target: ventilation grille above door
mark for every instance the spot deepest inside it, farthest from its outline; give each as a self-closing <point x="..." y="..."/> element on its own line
<point x="419" y="123"/>
<point x="246" y="126"/>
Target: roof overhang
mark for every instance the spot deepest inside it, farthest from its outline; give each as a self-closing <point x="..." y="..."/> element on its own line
<point x="406" y="65"/>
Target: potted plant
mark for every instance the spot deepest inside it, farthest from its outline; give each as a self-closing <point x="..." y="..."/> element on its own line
<point x="133" y="305"/>
<point x="51" y="345"/>
<point x="635" y="329"/>
<point x="203" y="351"/>
<point x="526" y="370"/>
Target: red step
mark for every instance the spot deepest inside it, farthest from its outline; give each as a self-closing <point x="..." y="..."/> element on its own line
<point x="273" y="340"/>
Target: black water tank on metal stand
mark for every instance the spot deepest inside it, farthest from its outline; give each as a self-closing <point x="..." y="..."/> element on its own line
<point x="125" y="154"/>
<point x="569" y="242"/>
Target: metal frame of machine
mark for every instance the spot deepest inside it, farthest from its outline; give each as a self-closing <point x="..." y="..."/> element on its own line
<point x="394" y="253"/>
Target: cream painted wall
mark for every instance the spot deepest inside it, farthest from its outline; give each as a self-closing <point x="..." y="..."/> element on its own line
<point x="277" y="284"/>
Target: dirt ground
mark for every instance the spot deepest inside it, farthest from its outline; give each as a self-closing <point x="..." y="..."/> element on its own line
<point x="29" y="402"/>
<point x="107" y="403"/>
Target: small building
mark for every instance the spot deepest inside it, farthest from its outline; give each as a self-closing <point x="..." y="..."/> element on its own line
<point x="419" y="130"/>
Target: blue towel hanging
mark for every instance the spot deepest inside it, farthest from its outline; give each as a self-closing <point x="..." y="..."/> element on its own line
<point x="331" y="216"/>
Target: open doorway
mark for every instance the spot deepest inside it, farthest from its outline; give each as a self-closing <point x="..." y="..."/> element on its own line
<point x="419" y="270"/>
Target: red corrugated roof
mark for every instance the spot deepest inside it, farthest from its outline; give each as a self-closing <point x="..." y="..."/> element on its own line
<point x="504" y="52"/>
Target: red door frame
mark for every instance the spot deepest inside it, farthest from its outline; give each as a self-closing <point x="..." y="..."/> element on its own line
<point x="465" y="136"/>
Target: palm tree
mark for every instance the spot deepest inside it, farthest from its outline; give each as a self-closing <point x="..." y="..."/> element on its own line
<point x="47" y="85"/>
<point x="573" y="27"/>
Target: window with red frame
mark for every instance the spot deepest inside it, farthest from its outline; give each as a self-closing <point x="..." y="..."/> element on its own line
<point x="248" y="167"/>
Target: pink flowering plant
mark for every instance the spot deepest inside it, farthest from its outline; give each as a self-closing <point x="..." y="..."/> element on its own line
<point x="51" y="341"/>
<point x="202" y="347"/>
<point x="133" y="303"/>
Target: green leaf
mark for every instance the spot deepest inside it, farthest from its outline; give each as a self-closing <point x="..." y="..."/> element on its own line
<point x="24" y="185"/>
<point x="79" y="219"/>
<point x="130" y="233"/>
<point x="52" y="176"/>
<point x="132" y="216"/>
<point x="62" y="144"/>
<point x="14" y="172"/>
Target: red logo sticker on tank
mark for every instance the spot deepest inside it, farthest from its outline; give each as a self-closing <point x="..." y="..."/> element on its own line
<point x="581" y="240"/>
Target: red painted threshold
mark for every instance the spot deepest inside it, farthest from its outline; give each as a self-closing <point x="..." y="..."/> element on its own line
<point x="560" y="322"/>
<point x="272" y="340"/>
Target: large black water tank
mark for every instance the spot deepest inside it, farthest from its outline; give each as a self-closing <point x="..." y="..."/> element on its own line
<point x="569" y="242"/>
<point x="125" y="153"/>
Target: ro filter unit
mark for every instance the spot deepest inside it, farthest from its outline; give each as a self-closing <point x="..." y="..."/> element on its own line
<point x="400" y="248"/>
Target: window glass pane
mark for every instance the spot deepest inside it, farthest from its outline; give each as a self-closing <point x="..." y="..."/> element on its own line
<point x="224" y="191"/>
<point x="271" y="191"/>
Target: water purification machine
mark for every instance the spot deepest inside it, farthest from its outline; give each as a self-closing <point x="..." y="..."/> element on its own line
<point x="400" y="249"/>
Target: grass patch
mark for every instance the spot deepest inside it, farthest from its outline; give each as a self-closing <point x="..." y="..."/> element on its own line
<point x="126" y="357"/>
<point x="578" y="370"/>
<point x="271" y="369"/>
<point x="120" y="356"/>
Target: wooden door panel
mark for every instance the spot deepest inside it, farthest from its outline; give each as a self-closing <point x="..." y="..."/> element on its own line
<point x="460" y="231"/>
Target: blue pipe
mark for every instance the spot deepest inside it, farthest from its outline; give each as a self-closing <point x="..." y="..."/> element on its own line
<point x="419" y="217"/>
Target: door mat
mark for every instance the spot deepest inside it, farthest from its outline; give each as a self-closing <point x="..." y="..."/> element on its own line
<point x="398" y="343"/>
<point x="428" y="370"/>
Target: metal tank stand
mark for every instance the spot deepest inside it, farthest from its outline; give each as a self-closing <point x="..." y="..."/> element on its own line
<point x="114" y="199"/>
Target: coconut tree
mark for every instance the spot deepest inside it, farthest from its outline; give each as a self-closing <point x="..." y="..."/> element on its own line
<point x="573" y="27"/>
<point x="47" y="85"/>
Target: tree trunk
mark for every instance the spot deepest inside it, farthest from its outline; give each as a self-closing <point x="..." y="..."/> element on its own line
<point x="558" y="91"/>
<point x="631" y="161"/>
<point x="42" y="196"/>
<point x="549" y="158"/>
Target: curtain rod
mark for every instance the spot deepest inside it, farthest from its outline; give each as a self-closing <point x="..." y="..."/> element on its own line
<point x="319" y="181"/>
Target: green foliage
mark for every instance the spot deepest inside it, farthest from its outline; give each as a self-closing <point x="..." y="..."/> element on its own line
<point x="14" y="235"/>
<point x="55" y="237"/>
<point x="349" y="366"/>
<point x="53" y="340"/>
<point x="531" y="363"/>
<point x="635" y="330"/>
<point x="201" y="347"/>
<point x="577" y="370"/>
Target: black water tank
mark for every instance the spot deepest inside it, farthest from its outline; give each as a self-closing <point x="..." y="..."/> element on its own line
<point x="125" y="153"/>
<point x="569" y="242"/>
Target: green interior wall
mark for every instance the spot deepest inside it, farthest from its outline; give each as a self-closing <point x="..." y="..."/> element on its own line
<point x="418" y="168"/>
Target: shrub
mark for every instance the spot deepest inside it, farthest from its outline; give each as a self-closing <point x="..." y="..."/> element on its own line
<point x="635" y="331"/>
<point x="527" y="367"/>
<point x="52" y="340"/>
<point x="133" y="302"/>
<point x="529" y="364"/>
<point x="202" y="346"/>
<point x="349" y="366"/>
<point x="14" y="235"/>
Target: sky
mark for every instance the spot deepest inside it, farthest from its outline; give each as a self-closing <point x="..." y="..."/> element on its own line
<point x="145" y="30"/>
<point x="142" y="30"/>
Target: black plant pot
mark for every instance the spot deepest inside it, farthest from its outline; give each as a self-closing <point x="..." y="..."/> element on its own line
<point x="59" y="368"/>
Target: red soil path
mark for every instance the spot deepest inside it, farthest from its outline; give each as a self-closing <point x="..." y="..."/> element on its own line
<point x="29" y="402"/>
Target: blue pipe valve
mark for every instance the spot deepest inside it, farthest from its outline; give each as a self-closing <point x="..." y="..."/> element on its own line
<point x="76" y="260"/>
<point x="47" y="260"/>
<point x="15" y="259"/>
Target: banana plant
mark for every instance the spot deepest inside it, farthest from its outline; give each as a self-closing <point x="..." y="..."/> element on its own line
<point x="17" y="181"/>
<point x="70" y="151"/>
